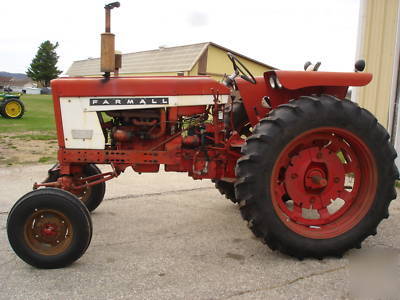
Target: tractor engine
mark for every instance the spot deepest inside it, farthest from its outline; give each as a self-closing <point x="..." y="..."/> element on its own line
<point x="143" y="124"/>
<point x="191" y="131"/>
<point x="142" y="129"/>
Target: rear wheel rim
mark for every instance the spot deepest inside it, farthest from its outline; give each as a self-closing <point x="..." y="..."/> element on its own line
<point x="324" y="182"/>
<point x="48" y="232"/>
<point x="13" y="109"/>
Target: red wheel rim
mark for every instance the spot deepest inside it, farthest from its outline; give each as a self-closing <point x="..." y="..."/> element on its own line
<point x="324" y="182"/>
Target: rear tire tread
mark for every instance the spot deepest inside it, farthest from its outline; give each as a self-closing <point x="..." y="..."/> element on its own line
<point x="261" y="142"/>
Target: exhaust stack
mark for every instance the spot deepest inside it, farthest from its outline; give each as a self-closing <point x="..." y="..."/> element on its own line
<point x="108" y="64"/>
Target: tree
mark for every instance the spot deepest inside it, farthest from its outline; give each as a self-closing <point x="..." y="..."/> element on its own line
<point x="44" y="65"/>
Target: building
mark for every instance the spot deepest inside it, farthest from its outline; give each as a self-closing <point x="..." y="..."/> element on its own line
<point x="189" y="60"/>
<point x="5" y="81"/>
<point x="22" y="84"/>
<point x="16" y="84"/>
<point x="379" y="45"/>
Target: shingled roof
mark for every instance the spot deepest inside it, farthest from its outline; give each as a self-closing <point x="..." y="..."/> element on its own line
<point x="164" y="59"/>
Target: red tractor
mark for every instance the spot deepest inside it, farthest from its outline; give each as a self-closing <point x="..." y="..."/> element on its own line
<point x="312" y="172"/>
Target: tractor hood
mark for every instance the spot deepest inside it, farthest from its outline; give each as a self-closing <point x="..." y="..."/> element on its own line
<point x="137" y="86"/>
<point x="294" y="80"/>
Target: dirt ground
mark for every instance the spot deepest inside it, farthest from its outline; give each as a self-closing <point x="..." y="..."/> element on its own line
<point x="27" y="148"/>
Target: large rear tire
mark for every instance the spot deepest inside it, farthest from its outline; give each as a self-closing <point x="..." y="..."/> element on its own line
<point x="316" y="177"/>
<point x="226" y="188"/>
<point x="49" y="228"/>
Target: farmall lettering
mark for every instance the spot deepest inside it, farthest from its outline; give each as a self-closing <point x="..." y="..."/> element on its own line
<point x="312" y="173"/>
<point x="129" y="101"/>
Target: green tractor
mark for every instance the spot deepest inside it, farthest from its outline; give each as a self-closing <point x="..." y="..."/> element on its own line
<point x="11" y="106"/>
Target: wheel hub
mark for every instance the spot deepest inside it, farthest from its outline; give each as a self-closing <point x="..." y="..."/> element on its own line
<point x="48" y="232"/>
<point x="315" y="177"/>
<point x="317" y="180"/>
<point x="13" y="109"/>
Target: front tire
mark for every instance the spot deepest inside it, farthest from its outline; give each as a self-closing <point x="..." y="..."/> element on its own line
<point x="49" y="228"/>
<point x="316" y="177"/>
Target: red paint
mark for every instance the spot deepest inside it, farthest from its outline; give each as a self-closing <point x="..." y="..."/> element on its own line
<point x="49" y="230"/>
<point x="295" y="84"/>
<point x="174" y="148"/>
<point x="58" y="119"/>
<point x="314" y="175"/>
<point x="294" y="80"/>
<point x="253" y="94"/>
<point x="191" y="110"/>
<point x="136" y="86"/>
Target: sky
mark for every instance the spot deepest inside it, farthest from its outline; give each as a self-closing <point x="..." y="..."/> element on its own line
<point x="281" y="33"/>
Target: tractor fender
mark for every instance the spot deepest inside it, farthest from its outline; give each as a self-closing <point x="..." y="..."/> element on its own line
<point x="294" y="80"/>
<point x="292" y="85"/>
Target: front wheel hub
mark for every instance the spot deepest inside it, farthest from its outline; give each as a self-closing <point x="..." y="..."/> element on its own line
<point x="48" y="232"/>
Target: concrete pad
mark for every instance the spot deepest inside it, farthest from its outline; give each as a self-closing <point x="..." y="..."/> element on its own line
<point x="166" y="236"/>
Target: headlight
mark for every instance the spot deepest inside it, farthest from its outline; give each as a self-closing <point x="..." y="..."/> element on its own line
<point x="272" y="82"/>
<point x="265" y="102"/>
<point x="278" y="83"/>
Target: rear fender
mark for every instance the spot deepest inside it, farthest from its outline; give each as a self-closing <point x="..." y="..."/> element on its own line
<point x="294" y="80"/>
<point x="294" y="85"/>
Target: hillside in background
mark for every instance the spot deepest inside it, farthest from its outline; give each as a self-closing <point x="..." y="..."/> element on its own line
<point x="14" y="75"/>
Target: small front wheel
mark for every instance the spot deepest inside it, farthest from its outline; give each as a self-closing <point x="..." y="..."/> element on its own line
<point x="49" y="228"/>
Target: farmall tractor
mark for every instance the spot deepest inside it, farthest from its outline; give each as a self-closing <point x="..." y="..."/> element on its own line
<point x="312" y="172"/>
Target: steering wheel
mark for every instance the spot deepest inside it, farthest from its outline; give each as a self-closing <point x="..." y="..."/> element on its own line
<point x="237" y="65"/>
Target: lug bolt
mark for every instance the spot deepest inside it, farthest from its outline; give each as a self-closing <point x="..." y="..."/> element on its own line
<point x="312" y="199"/>
<point x="337" y="179"/>
<point x="293" y="176"/>
<point x="319" y="155"/>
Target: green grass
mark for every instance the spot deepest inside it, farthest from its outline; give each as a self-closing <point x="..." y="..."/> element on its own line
<point x="45" y="159"/>
<point x="38" y="116"/>
<point x="37" y="137"/>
